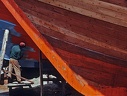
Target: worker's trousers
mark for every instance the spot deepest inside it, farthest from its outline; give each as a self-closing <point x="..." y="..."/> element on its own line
<point x="13" y="63"/>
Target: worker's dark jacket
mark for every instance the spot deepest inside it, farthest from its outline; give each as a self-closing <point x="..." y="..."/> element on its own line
<point x="16" y="52"/>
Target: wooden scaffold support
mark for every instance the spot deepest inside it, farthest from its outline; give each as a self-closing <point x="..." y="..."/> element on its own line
<point x="41" y="73"/>
<point x="3" y="48"/>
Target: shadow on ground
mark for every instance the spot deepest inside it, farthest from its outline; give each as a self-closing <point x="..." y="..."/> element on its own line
<point x="48" y="90"/>
<point x="4" y="94"/>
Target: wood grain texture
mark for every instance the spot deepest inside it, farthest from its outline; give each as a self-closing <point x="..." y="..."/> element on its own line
<point x="95" y="11"/>
<point x="77" y="29"/>
<point x="48" y="50"/>
<point x="77" y="45"/>
<point x="117" y="2"/>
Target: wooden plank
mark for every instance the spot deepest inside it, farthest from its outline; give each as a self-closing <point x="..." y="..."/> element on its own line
<point x="82" y="61"/>
<point x="102" y="33"/>
<point x="51" y="18"/>
<point x="98" y="3"/>
<point x="74" y="22"/>
<point x="106" y="78"/>
<point x="71" y="48"/>
<point x="3" y="48"/>
<point x="89" y="13"/>
<point x="18" y="85"/>
<point x="78" y="37"/>
<point x="117" y="2"/>
<point x="92" y="6"/>
<point x="101" y="78"/>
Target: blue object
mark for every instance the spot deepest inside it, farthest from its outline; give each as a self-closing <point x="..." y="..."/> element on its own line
<point x="11" y="27"/>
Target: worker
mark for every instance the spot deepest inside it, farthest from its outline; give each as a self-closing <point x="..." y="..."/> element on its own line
<point x="15" y="55"/>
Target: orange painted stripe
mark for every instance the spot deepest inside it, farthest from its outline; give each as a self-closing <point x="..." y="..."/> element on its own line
<point x="71" y="77"/>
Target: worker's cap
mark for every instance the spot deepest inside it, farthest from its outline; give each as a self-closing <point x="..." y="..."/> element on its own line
<point x="22" y="44"/>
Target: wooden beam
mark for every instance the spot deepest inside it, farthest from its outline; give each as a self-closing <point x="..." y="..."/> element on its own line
<point x="41" y="72"/>
<point x="94" y="8"/>
<point x="3" y="48"/>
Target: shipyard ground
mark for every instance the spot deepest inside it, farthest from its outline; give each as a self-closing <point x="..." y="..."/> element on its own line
<point x="48" y="91"/>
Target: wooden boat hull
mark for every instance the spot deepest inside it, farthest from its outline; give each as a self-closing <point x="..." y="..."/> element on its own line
<point x="86" y="45"/>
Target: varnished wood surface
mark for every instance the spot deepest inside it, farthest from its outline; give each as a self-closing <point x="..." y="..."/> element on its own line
<point x="81" y="62"/>
<point x="117" y="2"/>
<point x="76" y="81"/>
<point x="94" y="8"/>
<point x="80" y="30"/>
<point x="90" y="51"/>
